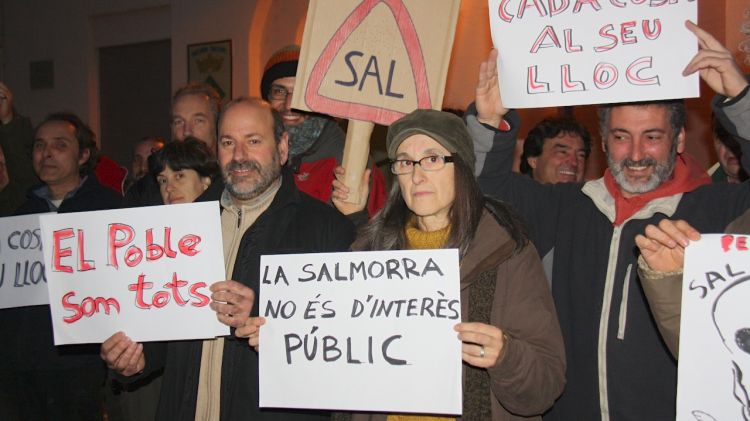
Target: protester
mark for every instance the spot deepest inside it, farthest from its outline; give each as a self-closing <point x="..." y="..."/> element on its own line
<point x="11" y="194"/>
<point x="184" y="170"/>
<point x="16" y="140"/>
<point x="48" y="381"/>
<point x="262" y="213"/>
<point x="141" y="151"/>
<point x="511" y="343"/>
<point x="556" y="151"/>
<point x="195" y="110"/>
<point x="618" y="367"/>
<point x="663" y="245"/>
<point x="729" y="153"/>
<point x="316" y="143"/>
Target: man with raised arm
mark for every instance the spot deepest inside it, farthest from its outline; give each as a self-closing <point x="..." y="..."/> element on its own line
<point x="618" y="366"/>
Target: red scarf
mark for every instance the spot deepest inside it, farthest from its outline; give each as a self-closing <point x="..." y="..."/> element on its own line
<point x="687" y="176"/>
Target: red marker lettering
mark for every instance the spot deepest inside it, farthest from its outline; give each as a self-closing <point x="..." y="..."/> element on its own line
<point x="119" y="236"/>
<point x="202" y="298"/>
<point x="138" y="288"/>
<point x="83" y="264"/>
<point x="58" y="253"/>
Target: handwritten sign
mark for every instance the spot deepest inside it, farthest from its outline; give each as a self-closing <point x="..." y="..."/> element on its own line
<point x="714" y="366"/>
<point x="22" y="278"/>
<point x="375" y="60"/>
<point x="144" y="271"/>
<point x="572" y="52"/>
<point x="368" y="331"/>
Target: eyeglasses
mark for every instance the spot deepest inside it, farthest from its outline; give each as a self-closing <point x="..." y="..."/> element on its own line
<point x="278" y="93"/>
<point x="428" y="163"/>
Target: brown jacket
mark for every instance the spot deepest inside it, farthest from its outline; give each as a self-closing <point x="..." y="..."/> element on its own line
<point x="513" y="290"/>
<point x="664" y="291"/>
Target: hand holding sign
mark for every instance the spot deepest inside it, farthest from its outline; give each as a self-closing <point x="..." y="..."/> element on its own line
<point x="715" y="64"/>
<point x="232" y="302"/>
<point x="483" y="344"/>
<point x="123" y="355"/>
<point x="251" y="331"/>
<point x="663" y="246"/>
<point x="340" y="196"/>
<point x="372" y="61"/>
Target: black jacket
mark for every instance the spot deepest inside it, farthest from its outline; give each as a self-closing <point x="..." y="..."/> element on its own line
<point x="293" y="223"/>
<point x="618" y="367"/>
<point x="31" y="344"/>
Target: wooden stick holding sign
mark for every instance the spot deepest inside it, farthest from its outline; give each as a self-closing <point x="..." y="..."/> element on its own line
<point x="372" y="61"/>
<point x="356" y="151"/>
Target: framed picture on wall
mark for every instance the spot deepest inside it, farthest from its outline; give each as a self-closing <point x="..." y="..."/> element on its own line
<point x="211" y="63"/>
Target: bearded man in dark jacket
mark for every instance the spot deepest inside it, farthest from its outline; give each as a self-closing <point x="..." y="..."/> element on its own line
<point x="262" y="213"/>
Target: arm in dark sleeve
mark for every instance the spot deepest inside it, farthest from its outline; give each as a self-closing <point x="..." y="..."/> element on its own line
<point x="155" y="355"/>
<point x="536" y="203"/>
<point x="17" y="139"/>
<point x="734" y="115"/>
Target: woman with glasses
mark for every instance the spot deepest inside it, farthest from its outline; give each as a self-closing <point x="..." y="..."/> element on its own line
<point x="512" y="348"/>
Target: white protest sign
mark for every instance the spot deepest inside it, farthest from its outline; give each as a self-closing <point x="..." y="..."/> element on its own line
<point x="367" y="331"/>
<point x="714" y="366"/>
<point x="144" y="271"/>
<point x="22" y="279"/>
<point x="573" y="52"/>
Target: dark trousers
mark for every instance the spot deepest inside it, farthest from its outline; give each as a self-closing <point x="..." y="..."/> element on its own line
<point x="70" y="394"/>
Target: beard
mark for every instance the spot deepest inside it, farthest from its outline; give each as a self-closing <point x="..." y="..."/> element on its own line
<point x="253" y="185"/>
<point x="661" y="173"/>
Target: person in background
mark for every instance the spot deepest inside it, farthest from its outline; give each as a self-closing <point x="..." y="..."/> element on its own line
<point x="556" y="151"/>
<point x="728" y="151"/>
<point x="184" y="170"/>
<point x="16" y="140"/>
<point x="195" y="111"/>
<point x="141" y="151"/>
<point x="316" y="142"/>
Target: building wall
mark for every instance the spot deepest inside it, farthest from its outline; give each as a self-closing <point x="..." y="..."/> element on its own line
<point x="70" y="32"/>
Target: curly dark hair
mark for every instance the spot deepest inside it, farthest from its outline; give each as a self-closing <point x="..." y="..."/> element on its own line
<point x="550" y="128"/>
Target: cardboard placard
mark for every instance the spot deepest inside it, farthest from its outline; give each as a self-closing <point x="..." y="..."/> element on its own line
<point x="22" y="278"/>
<point x="714" y="365"/>
<point x="573" y="52"/>
<point x="142" y="271"/>
<point x="367" y="331"/>
<point x="375" y="60"/>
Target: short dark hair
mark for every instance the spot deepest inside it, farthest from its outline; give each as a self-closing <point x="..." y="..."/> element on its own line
<point x="675" y="108"/>
<point x="547" y="129"/>
<point x="83" y="134"/>
<point x="202" y="89"/>
<point x="278" y="123"/>
<point x="191" y="154"/>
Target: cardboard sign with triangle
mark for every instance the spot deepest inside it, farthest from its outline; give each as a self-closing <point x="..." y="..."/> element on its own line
<point x="373" y="61"/>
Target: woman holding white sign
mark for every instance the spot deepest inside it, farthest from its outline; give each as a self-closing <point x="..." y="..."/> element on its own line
<point x="512" y="348"/>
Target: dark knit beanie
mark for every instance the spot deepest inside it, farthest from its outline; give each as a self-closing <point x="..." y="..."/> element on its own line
<point x="446" y="129"/>
<point x="283" y="63"/>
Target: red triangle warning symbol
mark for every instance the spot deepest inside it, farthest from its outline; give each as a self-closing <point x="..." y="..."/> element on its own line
<point x="378" y="114"/>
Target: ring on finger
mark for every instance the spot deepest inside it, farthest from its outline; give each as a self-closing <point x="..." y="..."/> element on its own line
<point x="481" y="351"/>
